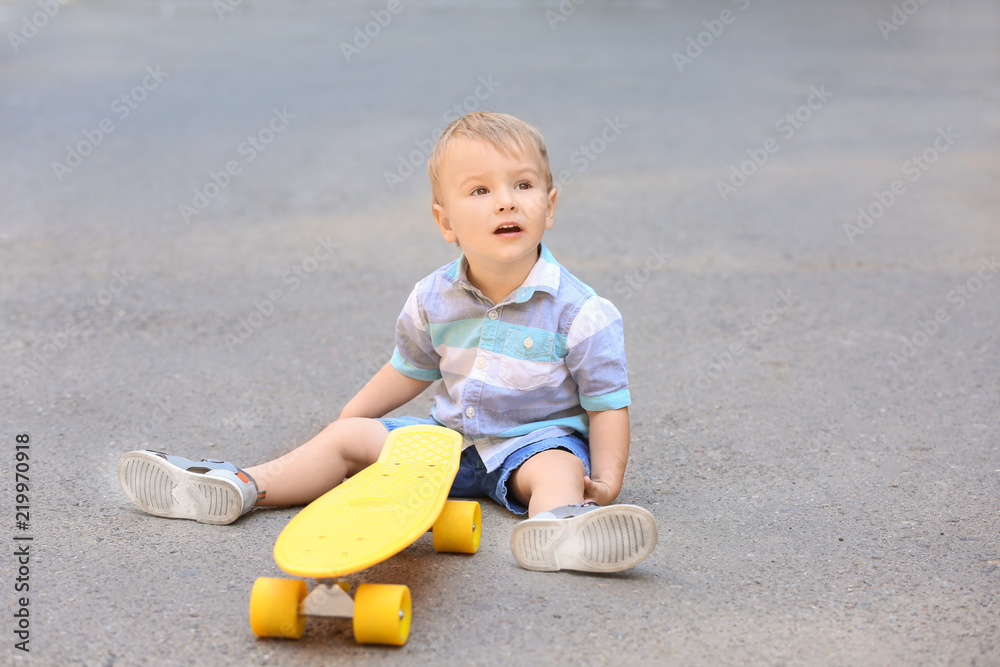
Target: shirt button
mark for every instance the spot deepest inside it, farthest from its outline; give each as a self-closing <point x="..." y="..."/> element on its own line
<point x="528" y="343"/>
<point x="470" y="412"/>
<point x="492" y="314"/>
<point x="480" y="363"/>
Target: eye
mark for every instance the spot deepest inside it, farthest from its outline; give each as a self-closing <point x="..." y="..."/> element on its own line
<point x="480" y="191"/>
<point x="523" y="185"/>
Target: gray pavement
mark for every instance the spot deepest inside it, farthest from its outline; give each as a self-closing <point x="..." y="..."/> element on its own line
<point x="211" y="218"/>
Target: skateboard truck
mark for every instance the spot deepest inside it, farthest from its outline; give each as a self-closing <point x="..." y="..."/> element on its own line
<point x="330" y="598"/>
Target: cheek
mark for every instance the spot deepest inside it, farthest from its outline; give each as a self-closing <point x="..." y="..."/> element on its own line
<point x="533" y="206"/>
<point x="463" y="210"/>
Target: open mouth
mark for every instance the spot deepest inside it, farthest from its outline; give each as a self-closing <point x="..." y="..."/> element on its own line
<point x="509" y="228"/>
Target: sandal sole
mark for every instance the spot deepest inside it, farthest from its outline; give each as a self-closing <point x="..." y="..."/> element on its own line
<point x="607" y="539"/>
<point x="162" y="489"/>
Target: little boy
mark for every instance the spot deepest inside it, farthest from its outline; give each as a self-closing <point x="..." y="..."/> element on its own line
<point x="532" y="370"/>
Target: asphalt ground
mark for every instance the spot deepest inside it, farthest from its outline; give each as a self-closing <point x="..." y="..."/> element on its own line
<point x="211" y="218"/>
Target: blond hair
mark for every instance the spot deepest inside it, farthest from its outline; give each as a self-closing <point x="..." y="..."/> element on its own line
<point x="507" y="134"/>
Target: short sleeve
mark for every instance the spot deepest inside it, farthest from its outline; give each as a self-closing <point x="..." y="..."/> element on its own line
<point x="415" y="355"/>
<point x="595" y="356"/>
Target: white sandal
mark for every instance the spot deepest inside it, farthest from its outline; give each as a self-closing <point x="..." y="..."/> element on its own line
<point x="585" y="537"/>
<point x="207" y="491"/>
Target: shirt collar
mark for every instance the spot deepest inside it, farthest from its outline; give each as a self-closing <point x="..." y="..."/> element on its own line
<point x="543" y="277"/>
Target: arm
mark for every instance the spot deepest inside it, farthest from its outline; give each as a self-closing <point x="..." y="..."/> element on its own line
<point x="387" y="390"/>
<point x="609" y="441"/>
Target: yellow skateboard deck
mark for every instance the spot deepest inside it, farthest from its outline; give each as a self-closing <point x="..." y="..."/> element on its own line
<point x="378" y="512"/>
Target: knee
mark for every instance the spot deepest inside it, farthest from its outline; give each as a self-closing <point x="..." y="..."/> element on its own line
<point x="571" y="463"/>
<point x="362" y="440"/>
<point x="556" y="464"/>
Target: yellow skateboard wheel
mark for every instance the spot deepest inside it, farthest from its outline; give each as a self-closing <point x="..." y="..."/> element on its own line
<point x="274" y="607"/>
<point x="382" y="614"/>
<point x="459" y="527"/>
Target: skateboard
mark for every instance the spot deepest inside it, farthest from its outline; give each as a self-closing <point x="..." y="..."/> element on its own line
<point x="367" y="519"/>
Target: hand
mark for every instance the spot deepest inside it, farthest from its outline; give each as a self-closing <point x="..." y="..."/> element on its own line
<point x="598" y="492"/>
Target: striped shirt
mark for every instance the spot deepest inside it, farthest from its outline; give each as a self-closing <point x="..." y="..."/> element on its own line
<point x="516" y="372"/>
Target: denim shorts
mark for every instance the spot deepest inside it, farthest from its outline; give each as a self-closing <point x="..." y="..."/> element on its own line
<point x="473" y="481"/>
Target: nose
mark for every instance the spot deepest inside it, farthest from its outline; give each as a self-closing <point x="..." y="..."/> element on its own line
<point x="505" y="202"/>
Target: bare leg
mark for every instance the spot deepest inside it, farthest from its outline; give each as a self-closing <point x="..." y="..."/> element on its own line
<point x="341" y="450"/>
<point x="547" y="480"/>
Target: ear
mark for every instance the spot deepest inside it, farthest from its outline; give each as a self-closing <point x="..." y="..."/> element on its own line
<point x="444" y="223"/>
<point x="550" y="213"/>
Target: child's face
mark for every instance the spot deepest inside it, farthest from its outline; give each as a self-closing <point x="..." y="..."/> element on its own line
<point x="494" y="205"/>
